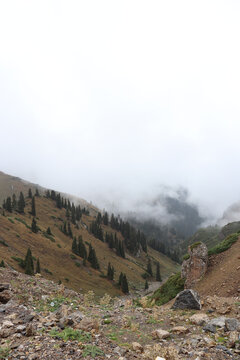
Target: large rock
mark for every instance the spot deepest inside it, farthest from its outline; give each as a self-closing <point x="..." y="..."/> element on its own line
<point x="194" y="268"/>
<point x="160" y="334"/>
<point x="199" y="319"/>
<point x="187" y="299"/>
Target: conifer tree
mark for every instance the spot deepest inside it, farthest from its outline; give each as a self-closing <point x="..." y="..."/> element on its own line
<point x="34" y="226"/>
<point x="37" y="193"/>
<point x="74" y="246"/>
<point x="110" y="272"/>
<point x="146" y="285"/>
<point x="158" y="275"/>
<point x="120" y="279"/>
<point x="81" y="248"/>
<point x="59" y="201"/>
<point x="21" y="203"/>
<point x="38" y="269"/>
<point x="69" y="232"/>
<point x="94" y="262"/>
<point x="28" y="263"/>
<point x="149" y="267"/>
<point x="124" y="285"/>
<point x="2" y="264"/>
<point x="33" y="212"/>
<point x="49" y="232"/>
<point x="14" y="202"/>
<point x="90" y="253"/>
<point x="8" y="205"/>
<point x="30" y="193"/>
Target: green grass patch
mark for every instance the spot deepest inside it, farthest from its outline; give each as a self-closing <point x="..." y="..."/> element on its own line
<point x="196" y="244"/>
<point x="168" y="290"/>
<point x="71" y="334"/>
<point x="11" y="220"/>
<point x="93" y="351"/>
<point x="186" y="257"/>
<point x="224" y="245"/>
<point x="4" y="352"/>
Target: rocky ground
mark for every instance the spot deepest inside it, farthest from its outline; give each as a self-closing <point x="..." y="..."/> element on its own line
<point x="42" y="320"/>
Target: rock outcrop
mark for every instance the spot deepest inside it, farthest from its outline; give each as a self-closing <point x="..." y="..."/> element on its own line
<point x="195" y="267"/>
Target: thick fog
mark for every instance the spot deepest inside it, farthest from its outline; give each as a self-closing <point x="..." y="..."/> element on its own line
<point x="115" y="101"/>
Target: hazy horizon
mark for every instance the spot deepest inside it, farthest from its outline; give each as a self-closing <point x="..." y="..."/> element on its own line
<point x="113" y="102"/>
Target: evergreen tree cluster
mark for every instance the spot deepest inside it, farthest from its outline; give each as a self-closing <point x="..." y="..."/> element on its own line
<point x="73" y="213"/>
<point x="150" y="271"/>
<point x="96" y="229"/>
<point x="123" y="283"/>
<point x="66" y="229"/>
<point x="12" y="204"/>
<point x="164" y="249"/>
<point x="133" y="238"/>
<point x="115" y="243"/>
<point x="110" y="272"/>
<point x="78" y="247"/>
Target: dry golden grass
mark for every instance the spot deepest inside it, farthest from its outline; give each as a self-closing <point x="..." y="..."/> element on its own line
<point x="56" y="256"/>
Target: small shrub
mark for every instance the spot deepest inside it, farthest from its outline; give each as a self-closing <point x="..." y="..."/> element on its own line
<point x="71" y="334"/>
<point x="3" y="242"/>
<point x="50" y="237"/>
<point x="48" y="271"/>
<point x="89" y="297"/>
<point x="73" y="257"/>
<point x="105" y="300"/>
<point x="186" y="257"/>
<point x="92" y="350"/>
<point x="4" y="352"/>
<point x="11" y="220"/>
<point x="77" y="264"/>
<point x="19" y="261"/>
<point x="58" y="245"/>
<point x="145" y="275"/>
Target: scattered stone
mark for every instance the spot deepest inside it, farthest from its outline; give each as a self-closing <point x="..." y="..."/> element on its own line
<point x="88" y="324"/>
<point x="137" y="347"/>
<point x="160" y="334"/>
<point x="234" y="337"/>
<point x="5" y="296"/>
<point x="199" y="319"/>
<point x="232" y="324"/>
<point x="187" y="299"/>
<point x="180" y="330"/>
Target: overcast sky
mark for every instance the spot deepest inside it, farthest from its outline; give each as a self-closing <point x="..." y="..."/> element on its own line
<point x="119" y="97"/>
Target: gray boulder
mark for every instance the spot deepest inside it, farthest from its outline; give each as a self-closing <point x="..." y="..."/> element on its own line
<point x="187" y="299"/>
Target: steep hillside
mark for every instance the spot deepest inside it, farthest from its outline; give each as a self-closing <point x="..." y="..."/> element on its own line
<point x="223" y="274"/>
<point x="55" y="252"/>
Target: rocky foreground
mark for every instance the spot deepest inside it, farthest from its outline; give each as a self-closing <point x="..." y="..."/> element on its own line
<point x="42" y="320"/>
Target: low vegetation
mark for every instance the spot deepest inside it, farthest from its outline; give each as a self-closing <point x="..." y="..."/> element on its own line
<point x="225" y="244"/>
<point x="169" y="289"/>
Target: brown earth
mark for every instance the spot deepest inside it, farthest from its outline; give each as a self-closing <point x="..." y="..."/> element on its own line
<point x="223" y="274"/>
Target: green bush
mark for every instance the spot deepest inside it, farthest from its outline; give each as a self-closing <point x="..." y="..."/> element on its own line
<point x="224" y="245"/>
<point x="3" y="242"/>
<point x="169" y="289"/>
<point x="20" y="261"/>
<point x="71" y="334"/>
<point x="186" y="257"/>
<point x="193" y="246"/>
<point x="50" y="237"/>
<point x="4" y="352"/>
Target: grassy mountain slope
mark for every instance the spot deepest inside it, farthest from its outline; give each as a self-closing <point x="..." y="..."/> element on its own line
<point x="56" y="258"/>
